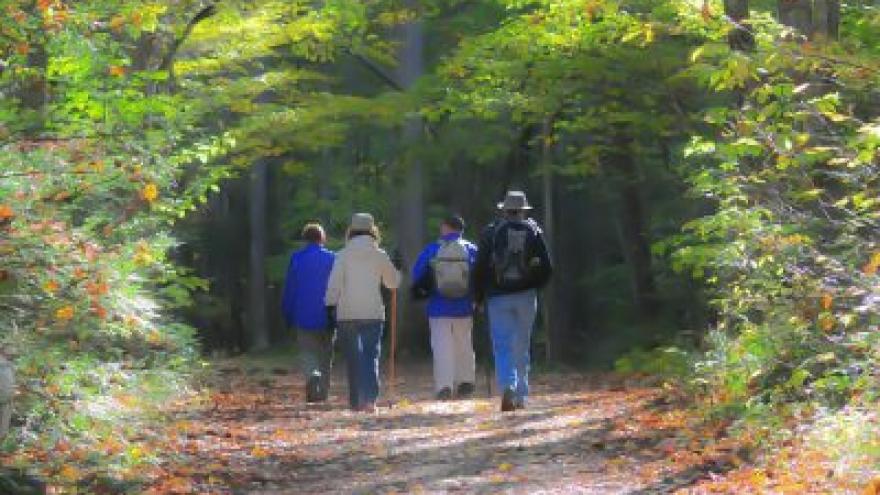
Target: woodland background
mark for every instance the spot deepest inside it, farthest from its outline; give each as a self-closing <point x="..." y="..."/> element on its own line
<point x="706" y="173"/>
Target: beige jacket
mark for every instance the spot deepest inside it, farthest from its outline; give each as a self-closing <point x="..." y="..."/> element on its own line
<point x="353" y="288"/>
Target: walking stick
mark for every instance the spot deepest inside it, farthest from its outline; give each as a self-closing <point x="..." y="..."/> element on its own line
<point x="393" y="350"/>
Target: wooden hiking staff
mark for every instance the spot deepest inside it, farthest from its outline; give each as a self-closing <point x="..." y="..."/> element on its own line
<point x="392" y="372"/>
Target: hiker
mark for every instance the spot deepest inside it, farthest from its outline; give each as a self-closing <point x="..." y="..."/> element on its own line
<point x="512" y="263"/>
<point x="443" y="272"/>
<point x="354" y="291"/>
<point x="304" y="309"/>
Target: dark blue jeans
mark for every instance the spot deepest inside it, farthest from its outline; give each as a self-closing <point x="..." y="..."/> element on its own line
<point x="362" y="344"/>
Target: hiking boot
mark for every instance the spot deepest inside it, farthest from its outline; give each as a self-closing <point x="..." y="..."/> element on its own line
<point x="508" y="401"/>
<point x="465" y="390"/>
<point x="519" y="403"/>
<point x="368" y="407"/>
<point x="313" y="389"/>
<point x="445" y="393"/>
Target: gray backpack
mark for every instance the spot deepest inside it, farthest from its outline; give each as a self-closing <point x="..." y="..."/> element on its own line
<point x="452" y="269"/>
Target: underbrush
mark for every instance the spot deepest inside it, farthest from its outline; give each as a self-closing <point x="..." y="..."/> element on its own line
<point x="87" y="411"/>
<point x="789" y="255"/>
<point x="90" y="298"/>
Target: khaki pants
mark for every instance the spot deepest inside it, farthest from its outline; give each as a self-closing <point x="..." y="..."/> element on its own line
<point x="453" y="350"/>
<point x="316" y="354"/>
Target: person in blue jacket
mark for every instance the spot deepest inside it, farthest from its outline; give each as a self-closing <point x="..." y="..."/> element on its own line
<point x="304" y="309"/>
<point x="443" y="274"/>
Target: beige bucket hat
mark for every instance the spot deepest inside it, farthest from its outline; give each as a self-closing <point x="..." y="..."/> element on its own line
<point x="362" y="222"/>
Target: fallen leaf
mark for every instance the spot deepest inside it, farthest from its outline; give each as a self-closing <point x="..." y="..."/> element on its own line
<point x="6" y="212"/>
<point x="873" y="487"/>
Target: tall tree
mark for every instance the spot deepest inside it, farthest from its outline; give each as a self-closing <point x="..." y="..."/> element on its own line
<point x="259" y="327"/>
<point x="635" y="240"/>
<point x="555" y="334"/>
<point x="826" y="18"/>
<point x="740" y="36"/>
<point x="797" y="14"/>
<point x="411" y="207"/>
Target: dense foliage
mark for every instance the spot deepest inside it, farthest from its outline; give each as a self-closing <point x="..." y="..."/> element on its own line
<point x="106" y="145"/>
<point x="790" y="251"/>
<point x="158" y="158"/>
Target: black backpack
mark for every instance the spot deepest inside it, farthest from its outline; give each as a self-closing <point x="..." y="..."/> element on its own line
<point x="515" y="257"/>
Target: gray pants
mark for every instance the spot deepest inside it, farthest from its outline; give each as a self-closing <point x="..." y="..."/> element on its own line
<point x="316" y="353"/>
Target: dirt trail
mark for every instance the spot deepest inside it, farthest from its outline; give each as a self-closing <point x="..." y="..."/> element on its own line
<point x="579" y="434"/>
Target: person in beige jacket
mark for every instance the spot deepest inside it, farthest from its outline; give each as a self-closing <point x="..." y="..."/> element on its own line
<point x="354" y="290"/>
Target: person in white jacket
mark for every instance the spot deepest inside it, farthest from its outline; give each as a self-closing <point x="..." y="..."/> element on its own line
<point x="354" y="290"/>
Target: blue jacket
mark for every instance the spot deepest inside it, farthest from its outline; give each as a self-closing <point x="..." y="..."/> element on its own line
<point x="439" y="306"/>
<point x="304" y="289"/>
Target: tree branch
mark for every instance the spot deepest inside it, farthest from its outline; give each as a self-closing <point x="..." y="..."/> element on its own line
<point x="376" y="70"/>
<point x="203" y="14"/>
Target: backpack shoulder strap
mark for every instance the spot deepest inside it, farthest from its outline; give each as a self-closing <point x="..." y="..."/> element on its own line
<point x="498" y="227"/>
<point x="533" y="226"/>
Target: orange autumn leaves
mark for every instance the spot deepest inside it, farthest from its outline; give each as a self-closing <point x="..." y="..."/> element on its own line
<point x="6" y="213"/>
<point x="54" y="13"/>
<point x="65" y="313"/>
<point x="873" y="487"/>
<point x="870" y="268"/>
<point x="51" y="287"/>
<point x="150" y="192"/>
<point x="826" y="320"/>
<point x="94" y="288"/>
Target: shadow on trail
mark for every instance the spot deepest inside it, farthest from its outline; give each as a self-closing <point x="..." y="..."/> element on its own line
<point x="463" y="463"/>
<point x="432" y="419"/>
<point x="686" y="478"/>
<point x="573" y="438"/>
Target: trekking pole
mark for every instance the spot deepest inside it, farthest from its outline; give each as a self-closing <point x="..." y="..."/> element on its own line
<point x="490" y="355"/>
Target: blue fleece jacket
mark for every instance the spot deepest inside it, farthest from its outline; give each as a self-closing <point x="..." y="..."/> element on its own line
<point x="439" y="306"/>
<point x="304" y="289"/>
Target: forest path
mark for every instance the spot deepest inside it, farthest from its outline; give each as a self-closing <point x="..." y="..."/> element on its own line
<point x="580" y="433"/>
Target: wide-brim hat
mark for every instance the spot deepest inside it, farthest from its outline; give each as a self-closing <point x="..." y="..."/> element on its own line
<point x="515" y="200"/>
<point x="362" y="222"/>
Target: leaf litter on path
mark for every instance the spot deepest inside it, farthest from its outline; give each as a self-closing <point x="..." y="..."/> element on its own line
<point x="579" y="434"/>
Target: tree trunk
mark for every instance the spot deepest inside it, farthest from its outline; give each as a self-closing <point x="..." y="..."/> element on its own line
<point x="740" y="36"/>
<point x="555" y="337"/>
<point x="257" y="321"/>
<point x="34" y="90"/>
<point x="635" y="239"/>
<point x="826" y="18"/>
<point x="815" y="19"/>
<point x="411" y="206"/>
<point x="797" y="14"/>
<point x="7" y="390"/>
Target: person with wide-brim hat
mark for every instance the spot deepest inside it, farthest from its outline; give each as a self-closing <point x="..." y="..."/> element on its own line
<point x="361" y="268"/>
<point x="513" y="262"/>
<point x="514" y="201"/>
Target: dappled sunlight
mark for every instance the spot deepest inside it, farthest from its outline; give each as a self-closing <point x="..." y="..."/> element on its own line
<point x="686" y="249"/>
<point x="568" y="439"/>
